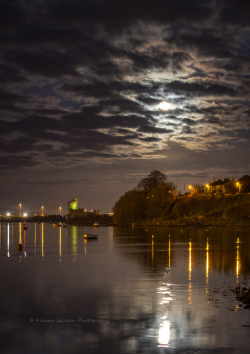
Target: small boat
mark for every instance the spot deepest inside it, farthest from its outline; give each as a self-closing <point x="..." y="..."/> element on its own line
<point x="24" y="227"/>
<point x="54" y="225"/>
<point x="90" y="237"/>
<point x="96" y="224"/>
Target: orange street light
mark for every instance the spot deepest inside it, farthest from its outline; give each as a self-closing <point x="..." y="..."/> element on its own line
<point x="20" y="208"/>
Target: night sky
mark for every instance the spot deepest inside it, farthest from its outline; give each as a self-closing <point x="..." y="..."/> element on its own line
<point x="82" y="91"/>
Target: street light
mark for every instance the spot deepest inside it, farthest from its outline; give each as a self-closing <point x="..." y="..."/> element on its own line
<point x="20" y="208"/>
<point x="238" y="185"/>
<point x="42" y="210"/>
<point x="60" y="210"/>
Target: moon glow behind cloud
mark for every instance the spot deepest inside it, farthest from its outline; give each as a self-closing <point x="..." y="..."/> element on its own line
<point x="164" y="106"/>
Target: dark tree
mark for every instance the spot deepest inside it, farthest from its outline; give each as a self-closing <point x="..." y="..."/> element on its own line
<point x="231" y="188"/>
<point x="245" y="184"/>
<point x="130" y="207"/>
<point x="152" y="198"/>
<point x="159" y="200"/>
<point x="153" y="180"/>
<point x="199" y="188"/>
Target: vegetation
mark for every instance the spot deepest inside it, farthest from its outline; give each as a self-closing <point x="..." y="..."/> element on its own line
<point x="154" y="201"/>
<point x="245" y="184"/>
<point x="152" y="198"/>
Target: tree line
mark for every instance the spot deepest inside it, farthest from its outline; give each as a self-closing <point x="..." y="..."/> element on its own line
<point x="154" y="197"/>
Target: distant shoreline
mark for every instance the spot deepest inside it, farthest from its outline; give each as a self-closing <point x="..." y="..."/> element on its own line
<point x="148" y="223"/>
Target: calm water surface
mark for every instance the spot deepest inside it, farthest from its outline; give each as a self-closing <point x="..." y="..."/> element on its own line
<point x="130" y="291"/>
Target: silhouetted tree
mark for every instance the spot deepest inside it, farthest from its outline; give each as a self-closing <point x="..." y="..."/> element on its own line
<point x="230" y="187"/>
<point x="151" y="198"/>
<point x="199" y="188"/>
<point x="131" y="207"/>
<point x="154" y="179"/>
<point x="245" y="184"/>
<point x="159" y="200"/>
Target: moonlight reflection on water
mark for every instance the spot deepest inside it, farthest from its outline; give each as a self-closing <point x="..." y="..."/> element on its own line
<point x="131" y="291"/>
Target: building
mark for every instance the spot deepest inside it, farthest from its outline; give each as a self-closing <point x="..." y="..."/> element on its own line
<point x="73" y="204"/>
<point x="219" y="186"/>
<point x="74" y="212"/>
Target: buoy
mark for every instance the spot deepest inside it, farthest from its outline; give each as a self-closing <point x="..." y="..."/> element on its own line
<point x="19" y="247"/>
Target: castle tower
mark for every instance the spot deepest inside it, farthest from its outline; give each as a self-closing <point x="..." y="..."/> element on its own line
<point x="73" y="204"/>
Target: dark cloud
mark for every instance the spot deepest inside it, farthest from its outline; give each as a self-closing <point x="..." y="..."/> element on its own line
<point x="44" y="63"/>
<point x="10" y="97"/>
<point x="10" y="74"/>
<point x="202" y="89"/>
<point x="234" y="12"/>
<point x="208" y="43"/>
<point x="81" y="83"/>
<point x="189" y="121"/>
<point x="117" y="15"/>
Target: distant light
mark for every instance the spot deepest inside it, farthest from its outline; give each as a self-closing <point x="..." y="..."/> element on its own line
<point x="8" y="214"/>
<point x="25" y="214"/>
<point x="164" y="106"/>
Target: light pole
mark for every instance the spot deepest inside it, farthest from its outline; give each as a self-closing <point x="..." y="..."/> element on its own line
<point x="20" y="209"/>
<point x="238" y="185"/>
<point x="60" y="210"/>
<point x="42" y="210"/>
<point x="190" y="187"/>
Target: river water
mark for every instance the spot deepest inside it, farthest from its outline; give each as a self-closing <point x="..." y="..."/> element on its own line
<point x="161" y="290"/>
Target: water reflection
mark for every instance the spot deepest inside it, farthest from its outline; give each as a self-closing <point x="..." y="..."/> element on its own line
<point x="169" y="251"/>
<point x="237" y="258"/>
<point x="152" y="248"/>
<point x="207" y="260"/>
<point x="74" y="241"/>
<point x="8" y="240"/>
<point x="60" y="242"/>
<point x="164" y="333"/>
<point x="111" y="238"/>
<point x="207" y="265"/>
<point x="20" y="233"/>
<point x="35" y="240"/>
<point x="190" y="274"/>
<point x="152" y="289"/>
<point x="42" y="226"/>
<point x="24" y="252"/>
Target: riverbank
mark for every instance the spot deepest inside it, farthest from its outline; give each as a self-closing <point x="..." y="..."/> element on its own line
<point x="187" y="222"/>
